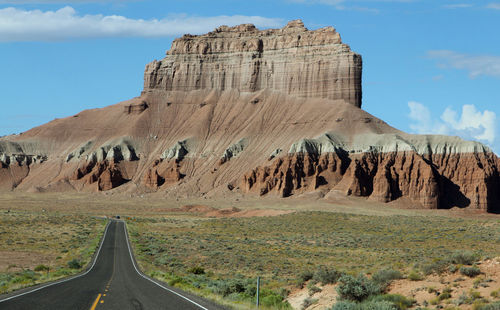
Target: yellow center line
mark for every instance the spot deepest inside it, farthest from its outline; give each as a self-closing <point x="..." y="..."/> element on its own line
<point x="95" y="302"/>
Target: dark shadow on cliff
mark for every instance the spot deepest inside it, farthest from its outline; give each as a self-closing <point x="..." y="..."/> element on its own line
<point x="493" y="194"/>
<point x="451" y="196"/>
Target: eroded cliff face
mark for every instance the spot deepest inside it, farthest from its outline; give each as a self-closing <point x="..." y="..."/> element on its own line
<point x="438" y="181"/>
<point x="292" y="60"/>
<point x="434" y="172"/>
<point x="242" y="111"/>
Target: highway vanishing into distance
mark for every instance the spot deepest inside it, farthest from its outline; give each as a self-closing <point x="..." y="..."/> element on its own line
<point x="112" y="282"/>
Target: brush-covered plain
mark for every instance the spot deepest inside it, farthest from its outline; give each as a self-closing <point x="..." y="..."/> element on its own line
<point x="222" y="257"/>
<point x="42" y="246"/>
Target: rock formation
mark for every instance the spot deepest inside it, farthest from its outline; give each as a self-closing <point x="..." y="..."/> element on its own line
<point x="255" y="112"/>
<point x="441" y="173"/>
<point x="292" y="60"/>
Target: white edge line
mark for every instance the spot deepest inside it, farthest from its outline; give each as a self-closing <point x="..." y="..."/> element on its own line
<point x="67" y="279"/>
<point x="149" y="279"/>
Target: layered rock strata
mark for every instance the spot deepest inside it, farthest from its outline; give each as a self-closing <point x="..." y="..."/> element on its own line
<point x="433" y="171"/>
<point x="292" y="60"/>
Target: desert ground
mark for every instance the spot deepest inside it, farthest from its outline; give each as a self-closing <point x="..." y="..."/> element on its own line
<point x="300" y="247"/>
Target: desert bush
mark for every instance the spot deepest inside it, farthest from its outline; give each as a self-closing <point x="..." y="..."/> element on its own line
<point x="495" y="294"/>
<point x="399" y="301"/>
<point x="452" y="268"/>
<point x="308" y="302"/>
<point x="356" y="288"/>
<point x="41" y="268"/>
<point x="463" y="257"/>
<point x="304" y="276"/>
<point x="491" y="306"/>
<point x="438" y="266"/>
<point x="74" y="264"/>
<point x="325" y="275"/>
<point x="25" y="276"/>
<point x="445" y="294"/>
<point x="470" y="271"/>
<point x="415" y="276"/>
<point x="384" y="277"/>
<point x="274" y="301"/>
<point x="196" y="270"/>
<point x="313" y="289"/>
<point x="231" y="286"/>
<point x="176" y="281"/>
<point x="369" y="305"/>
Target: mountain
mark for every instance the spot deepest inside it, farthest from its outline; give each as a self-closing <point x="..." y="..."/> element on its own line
<point x="254" y="112"/>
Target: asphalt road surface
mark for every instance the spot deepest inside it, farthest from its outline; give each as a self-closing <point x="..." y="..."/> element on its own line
<point x="112" y="282"/>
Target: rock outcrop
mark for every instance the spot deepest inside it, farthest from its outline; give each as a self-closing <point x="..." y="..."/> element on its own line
<point x="433" y="171"/>
<point x="292" y="60"/>
<point x="255" y="112"/>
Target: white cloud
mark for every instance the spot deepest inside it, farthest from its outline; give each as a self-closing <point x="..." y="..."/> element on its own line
<point x="423" y="123"/>
<point x="471" y="124"/>
<point x="477" y="65"/>
<point x="35" y="25"/>
<point x="495" y="6"/>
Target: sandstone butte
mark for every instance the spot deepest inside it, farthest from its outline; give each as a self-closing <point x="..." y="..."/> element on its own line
<point x="242" y="111"/>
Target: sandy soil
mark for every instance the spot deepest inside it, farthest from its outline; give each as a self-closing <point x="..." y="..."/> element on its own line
<point x="19" y="260"/>
<point x="103" y="204"/>
<point x="421" y="291"/>
<point x="324" y="299"/>
<point x="460" y="285"/>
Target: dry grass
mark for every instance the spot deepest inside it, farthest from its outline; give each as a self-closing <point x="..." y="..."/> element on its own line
<point x="45" y="240"/>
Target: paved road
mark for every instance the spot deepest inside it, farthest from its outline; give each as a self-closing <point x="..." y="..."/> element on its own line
<point x="113" y="282"/>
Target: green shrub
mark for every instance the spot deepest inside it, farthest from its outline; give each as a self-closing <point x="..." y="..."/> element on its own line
<point x="470" y="271"/>
<point x="369" y="305"/>
<point x="445" y="294"/>
<point x="274" y="301"/>
<point x="74" y="264"/>
<point x="464" y="257"/>
<point x="41" y="268"/>
<point x="304" y="276"/>
<point x="324" y="275"/>
<point x="308" y="301"/>
<point x="356" y="288"/>
<point x="415" y="276"/>
<point x="399" y="301"/>
<point x="234" y="286"/>
<point x="313" y="289"/>
<point x="385" y="276"/>
<point x="196" y="270"/>
<point x="492" y="306"/>
<point x="438" y="266"/>
<point x="452" y="268"/>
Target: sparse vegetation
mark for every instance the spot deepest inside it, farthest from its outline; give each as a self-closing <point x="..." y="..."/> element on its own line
<point x="369" y="305"/>
<point x="357" y="288"/>
<point x="385" y="276"/>
<point x="308" y="302"/>
<point x="400" y="302"/>
<point x="74" y="264"/>
<point x="325" y="275"/>
<point x="45" y="246"/>
<point x="415" y="276"/>
<point x="284" y="250"/>
<point x="470" y="271"/>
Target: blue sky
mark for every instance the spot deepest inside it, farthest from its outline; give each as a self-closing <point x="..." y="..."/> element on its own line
<point x="430" y="66"/>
